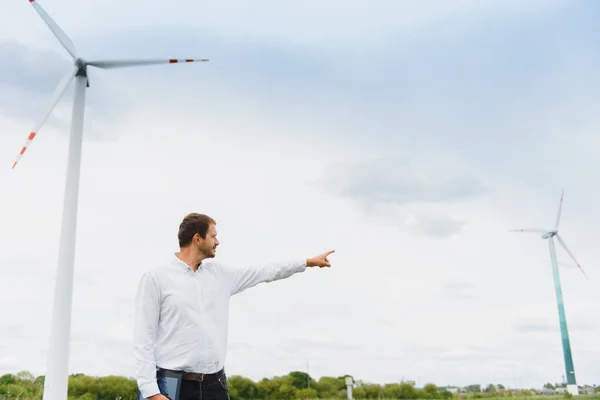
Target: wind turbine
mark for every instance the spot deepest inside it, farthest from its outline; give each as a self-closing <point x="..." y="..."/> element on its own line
<point x="566" y="344"/>
<point x="56" y="381"/>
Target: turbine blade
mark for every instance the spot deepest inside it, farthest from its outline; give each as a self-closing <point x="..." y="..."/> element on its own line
<point x="530" y="230"/>
<point x="559" y="209"/>
<point x="112" y="64"/>
<point x="562" y="243"/>
<point x="56" y="96"/>
<point x="60" y="35"/>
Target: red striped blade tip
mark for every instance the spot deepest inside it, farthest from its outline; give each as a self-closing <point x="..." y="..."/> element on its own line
<point x="173" y="60"/>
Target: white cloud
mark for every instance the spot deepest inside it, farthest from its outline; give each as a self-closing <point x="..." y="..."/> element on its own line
<point x="389" y="188"/>
<point x="402" y="180"/>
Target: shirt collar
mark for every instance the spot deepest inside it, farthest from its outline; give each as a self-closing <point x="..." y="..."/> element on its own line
<point x="179" y="264"/>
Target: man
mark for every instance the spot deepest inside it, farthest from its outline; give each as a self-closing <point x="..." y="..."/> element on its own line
<point x="182" y="312"/>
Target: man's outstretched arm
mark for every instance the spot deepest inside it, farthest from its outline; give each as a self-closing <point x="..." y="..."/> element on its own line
<point x="244" y="278"/>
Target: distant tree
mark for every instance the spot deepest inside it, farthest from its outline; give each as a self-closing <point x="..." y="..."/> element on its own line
<point x="402" y="390"/>
<point x="548" y="386"/>
<point x="270" y="388"/>
<point x="473" y="388"/>
<point x="372" y="391"/>
<point x="40" y="380"/>
<point x="264" y="388"/>
<point x="241" y="388"/>
<point x="7" y="379"/>
<point x="307" y="394"/>
<point x="490" y="388"/>
<point x="25" y="376"/>
<point x="300" y="379"/>
<point x="329" y="387"/>
<point x="286" y="392"/>
<point x="430" y="391"/>
<point x="358" y="393"/>
<point x="408" y="390"/>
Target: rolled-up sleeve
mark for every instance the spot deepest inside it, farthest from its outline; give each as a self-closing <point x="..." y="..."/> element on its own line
<point x="246" y="277"/>
<point x="147" y="308"/>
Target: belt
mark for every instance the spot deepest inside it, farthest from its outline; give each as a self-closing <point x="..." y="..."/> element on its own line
<point x="193" y="376"/>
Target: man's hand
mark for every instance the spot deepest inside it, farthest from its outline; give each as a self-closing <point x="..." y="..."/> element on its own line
<point x="158" y="397"/>
<point x="319" y="261"/>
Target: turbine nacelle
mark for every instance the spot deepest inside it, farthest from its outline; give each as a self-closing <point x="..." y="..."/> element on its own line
<point x="80" y="64"/>
<point x="550" y="234"/>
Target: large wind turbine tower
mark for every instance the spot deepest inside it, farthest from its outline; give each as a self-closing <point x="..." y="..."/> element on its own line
<point x="566" y="344"/>
<point x="56" y="382"/>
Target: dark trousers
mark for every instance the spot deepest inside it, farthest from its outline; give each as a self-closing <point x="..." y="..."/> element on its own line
<point x="214" y="389"/>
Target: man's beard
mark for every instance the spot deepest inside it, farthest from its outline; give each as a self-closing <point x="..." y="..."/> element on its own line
<point x="209" y="252"/>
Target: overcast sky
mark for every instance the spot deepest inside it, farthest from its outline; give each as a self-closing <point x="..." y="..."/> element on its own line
<point x="409" y="138"/>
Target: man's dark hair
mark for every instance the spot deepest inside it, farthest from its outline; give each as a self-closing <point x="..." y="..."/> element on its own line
<point x="193" y="223"/>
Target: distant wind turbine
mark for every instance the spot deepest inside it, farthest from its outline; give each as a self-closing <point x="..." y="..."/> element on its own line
<point x="566" y="344"/>
<point x="56" y="381"/>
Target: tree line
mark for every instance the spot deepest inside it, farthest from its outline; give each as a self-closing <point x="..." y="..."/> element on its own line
<point x="295" y="385"/>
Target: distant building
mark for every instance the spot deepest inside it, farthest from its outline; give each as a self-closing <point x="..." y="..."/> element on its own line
<point x="588" y="390"/>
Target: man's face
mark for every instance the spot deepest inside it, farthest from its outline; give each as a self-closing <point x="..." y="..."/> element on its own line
<point x="208" y="246"/>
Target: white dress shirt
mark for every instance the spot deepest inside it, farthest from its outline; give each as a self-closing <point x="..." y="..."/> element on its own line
<point x="181" y="316"/>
